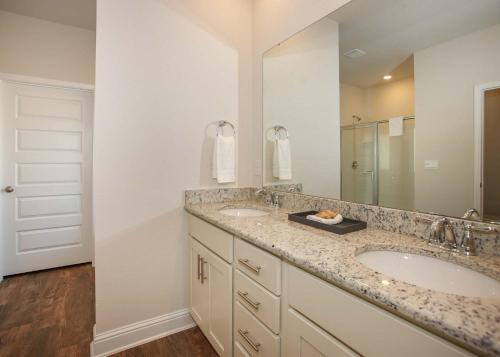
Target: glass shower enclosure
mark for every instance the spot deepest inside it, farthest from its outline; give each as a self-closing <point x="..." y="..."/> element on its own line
<point x="377" y="168"/>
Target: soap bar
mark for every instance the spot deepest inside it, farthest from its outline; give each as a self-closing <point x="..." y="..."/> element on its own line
<point x="326" y="214"/>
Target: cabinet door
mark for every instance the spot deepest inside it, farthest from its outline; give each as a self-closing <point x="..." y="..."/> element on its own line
<point x="218" y="278"/>
<point x="304" y="339"/>
<point x="239" y="351"/>
<point x="199" y="291"/>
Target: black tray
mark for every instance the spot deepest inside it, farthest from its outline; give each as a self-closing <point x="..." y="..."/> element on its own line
<point x="346" y="226"/>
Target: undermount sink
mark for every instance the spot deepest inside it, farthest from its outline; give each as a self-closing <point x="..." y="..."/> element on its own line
<point x="243" y="212"/>
<point x="431" y="273"/>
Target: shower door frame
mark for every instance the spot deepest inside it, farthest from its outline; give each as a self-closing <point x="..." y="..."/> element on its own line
<point x="375" y="188"/>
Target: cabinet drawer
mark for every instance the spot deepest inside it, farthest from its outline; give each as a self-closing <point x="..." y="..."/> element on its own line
<point x="260" y="302"/>
<point x="305" y="339"/>
<point x="217" y="240"/>
<point x="253" y="335"/>
<point x="360" y="325"/>
<point x="259" y="265"/>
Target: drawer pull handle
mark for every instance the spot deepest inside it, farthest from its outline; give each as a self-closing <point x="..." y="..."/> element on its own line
<point x="246" y="337"/>
<point x="246" y="263"/>
<point x="203" y="277"/>
<point x="199" y="274"/>
<point x="244" y="296"/>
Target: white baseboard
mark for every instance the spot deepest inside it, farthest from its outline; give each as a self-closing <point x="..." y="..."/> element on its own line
<point x="138" y="333"/>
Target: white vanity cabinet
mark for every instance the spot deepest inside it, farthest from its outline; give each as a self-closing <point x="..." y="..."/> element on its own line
<point x="211" y="281"/>
<point x="330" y="316"/>
<point x="250" y="303"/>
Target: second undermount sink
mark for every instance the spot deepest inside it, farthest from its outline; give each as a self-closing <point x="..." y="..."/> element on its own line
<point x="431" y="273"/>
<point x="243" y="212"/>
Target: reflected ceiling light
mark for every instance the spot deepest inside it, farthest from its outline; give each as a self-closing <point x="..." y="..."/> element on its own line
<point x="387" y="77"/>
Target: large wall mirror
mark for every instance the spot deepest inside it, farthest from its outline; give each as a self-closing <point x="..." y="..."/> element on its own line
<point x="390" y="103"/>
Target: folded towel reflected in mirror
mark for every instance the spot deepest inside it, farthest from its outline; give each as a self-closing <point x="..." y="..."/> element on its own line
<point x="396" y="126"/>
<point x="282" y="159"/>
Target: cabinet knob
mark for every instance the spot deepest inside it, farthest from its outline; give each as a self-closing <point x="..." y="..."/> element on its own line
<point x="9" y="189"/>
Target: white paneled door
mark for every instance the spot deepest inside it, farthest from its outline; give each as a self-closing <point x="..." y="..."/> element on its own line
<point x="46" y="176"/>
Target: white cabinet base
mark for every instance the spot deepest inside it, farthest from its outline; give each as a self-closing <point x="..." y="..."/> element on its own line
<point x="211" y="298"/>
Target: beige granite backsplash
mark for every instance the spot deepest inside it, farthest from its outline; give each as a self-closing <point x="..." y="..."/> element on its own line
<point x="389" y="219"/>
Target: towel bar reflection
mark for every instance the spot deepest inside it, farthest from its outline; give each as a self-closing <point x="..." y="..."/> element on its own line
<point x="220" y="127"/>
<point x="277" y="129"/>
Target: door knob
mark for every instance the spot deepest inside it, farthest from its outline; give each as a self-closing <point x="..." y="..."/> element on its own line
<point x="9" y="189"/>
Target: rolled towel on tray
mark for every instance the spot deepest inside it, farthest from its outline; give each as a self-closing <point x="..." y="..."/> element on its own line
<point x="336" y="220"/>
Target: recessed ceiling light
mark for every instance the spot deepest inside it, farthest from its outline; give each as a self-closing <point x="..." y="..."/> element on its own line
<point x="355" y="53"/>
<point x="387" y="77"/>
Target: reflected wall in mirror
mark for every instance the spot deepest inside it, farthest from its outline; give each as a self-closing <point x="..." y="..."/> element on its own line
<point x="389" y="103"/>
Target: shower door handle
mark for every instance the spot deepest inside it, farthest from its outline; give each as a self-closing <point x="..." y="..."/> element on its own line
<point x="371" y="173"/>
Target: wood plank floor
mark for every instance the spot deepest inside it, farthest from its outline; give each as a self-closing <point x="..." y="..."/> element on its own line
<point x="51" y="313"/>
<point x="188" y="343"/>
<point x="47" y="313"/>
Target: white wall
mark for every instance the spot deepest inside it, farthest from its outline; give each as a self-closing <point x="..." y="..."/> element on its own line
<point x="38" y="48"/>
<point x="352" y="102"/>
<point x="445" y="76"/>
<point x="380" y="102"/>
<point x="301" y="92"/>
<point x="165" y="71"/>
<point x="274" y="22"/>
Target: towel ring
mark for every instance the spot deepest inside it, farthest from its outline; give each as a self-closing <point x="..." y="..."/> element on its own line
<point x="277" y="129"/>
<point x="221" y="124"/>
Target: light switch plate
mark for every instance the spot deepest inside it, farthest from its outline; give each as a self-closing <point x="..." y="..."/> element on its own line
<point x="431" y="164"/>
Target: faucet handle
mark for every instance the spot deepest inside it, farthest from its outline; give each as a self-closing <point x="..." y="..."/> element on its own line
<point x="468" y="245"/>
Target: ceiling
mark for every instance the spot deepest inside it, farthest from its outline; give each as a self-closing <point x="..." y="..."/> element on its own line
<point x="390" y="31"/>
<point x="79" y="13"/>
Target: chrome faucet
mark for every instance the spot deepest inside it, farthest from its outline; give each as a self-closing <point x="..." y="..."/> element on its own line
<point x="260" y="192"/>
<point x="272" y="200"/>
<point x="441" y="233"/>
<point x="275" y="200"/>
<point x="472" y="214"/>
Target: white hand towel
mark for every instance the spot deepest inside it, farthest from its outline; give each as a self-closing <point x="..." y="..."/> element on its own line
<point x="283" y="160"/>
<point x="338" y="219"/>
<point x="223" y="165"/>
<point x="276" y="165"/>
<point x="396" y="126"/>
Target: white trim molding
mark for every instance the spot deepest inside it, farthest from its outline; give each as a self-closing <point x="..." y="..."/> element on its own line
<point x="138" y="333"/>
<point x="37" y="81"/>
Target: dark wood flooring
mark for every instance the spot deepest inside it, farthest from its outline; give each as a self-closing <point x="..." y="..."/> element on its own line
<point x="47" y="313"/>
<point x="188" y="343"/>
<point x="51" y="313"/>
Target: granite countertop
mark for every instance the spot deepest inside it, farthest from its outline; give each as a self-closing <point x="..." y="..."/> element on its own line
<point x="470" y="322"/>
